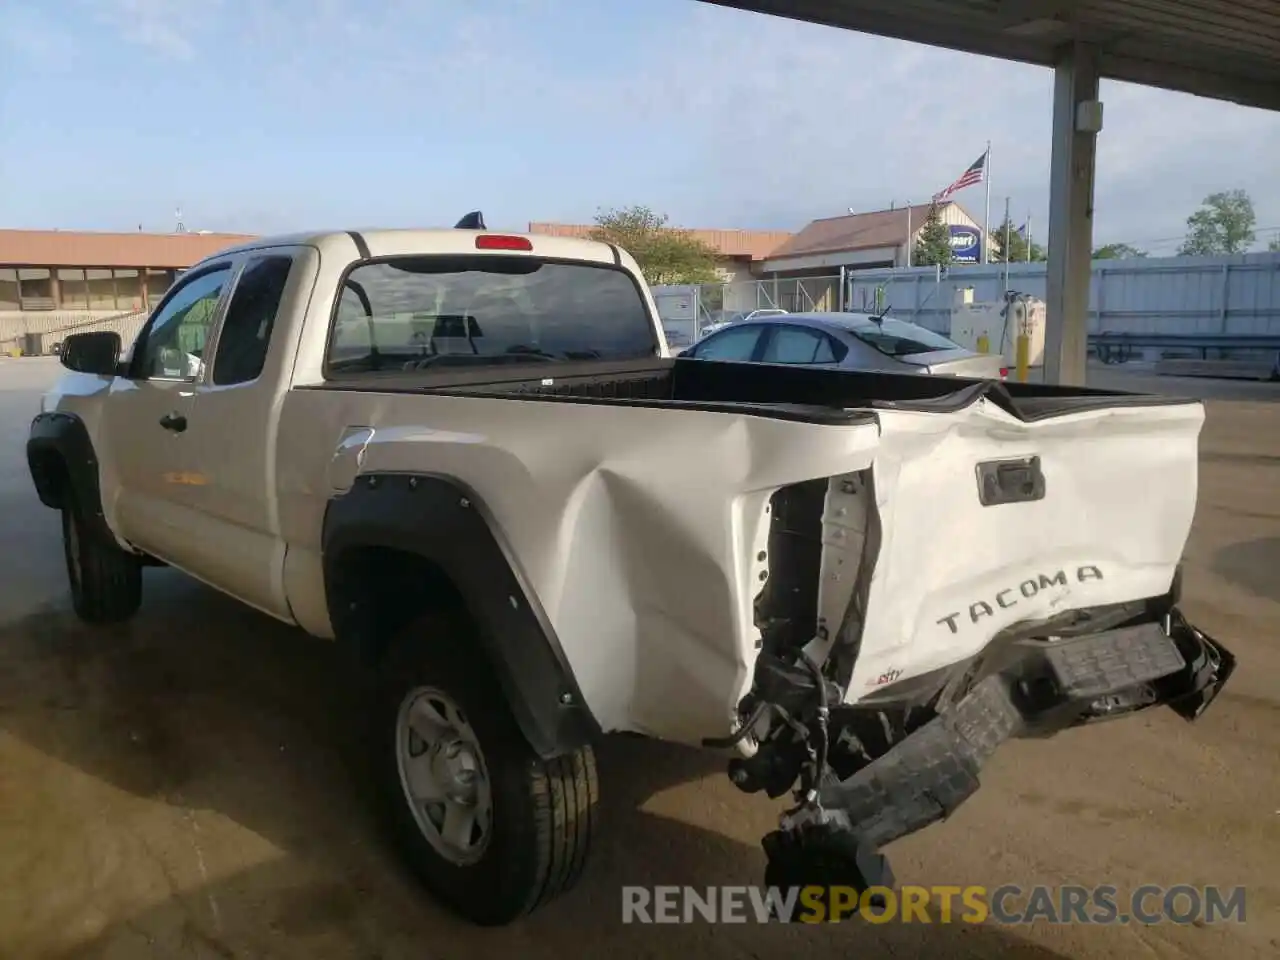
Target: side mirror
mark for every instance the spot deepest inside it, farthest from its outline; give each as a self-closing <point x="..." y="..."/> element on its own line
<point x="97" y="352"/>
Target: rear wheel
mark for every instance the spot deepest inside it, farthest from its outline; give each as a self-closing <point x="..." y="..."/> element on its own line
<point x="106" y="582"/>
<point x="492" y="829"/>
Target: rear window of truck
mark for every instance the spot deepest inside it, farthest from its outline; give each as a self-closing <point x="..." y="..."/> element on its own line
<point x="434" y="312"/>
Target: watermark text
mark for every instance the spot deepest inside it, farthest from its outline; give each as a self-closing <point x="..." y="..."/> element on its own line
<point x="1009" y="904"/>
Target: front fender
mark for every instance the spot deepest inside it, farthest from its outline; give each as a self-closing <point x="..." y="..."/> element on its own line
<point x="63" y="464"/>
<point x="441" y="520"/>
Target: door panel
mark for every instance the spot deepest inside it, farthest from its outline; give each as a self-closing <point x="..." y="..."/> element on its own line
<point x="237" y="546"/>
<point x="150" y="462"/>
<point x="148" y="418"/>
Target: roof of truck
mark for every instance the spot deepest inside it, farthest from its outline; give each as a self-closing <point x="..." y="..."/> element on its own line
<point x="379" y="242"/>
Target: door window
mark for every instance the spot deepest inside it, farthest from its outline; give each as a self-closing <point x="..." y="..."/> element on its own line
<point x="251" y="316"/>
<point x="798" y="345"/>
<point x="172" y="346"/>
<point x="738" y="343"/>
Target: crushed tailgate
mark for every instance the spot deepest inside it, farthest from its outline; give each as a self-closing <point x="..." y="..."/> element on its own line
<point x="987" y="519"/>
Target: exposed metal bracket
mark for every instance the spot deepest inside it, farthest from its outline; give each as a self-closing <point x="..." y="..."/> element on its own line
<point x="348" y="457"/>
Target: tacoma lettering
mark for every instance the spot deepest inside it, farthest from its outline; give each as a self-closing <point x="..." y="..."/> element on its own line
<point x="1028" y="589"/>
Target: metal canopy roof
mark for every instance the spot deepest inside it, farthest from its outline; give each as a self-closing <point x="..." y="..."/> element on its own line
<point x="1226" y="49"/>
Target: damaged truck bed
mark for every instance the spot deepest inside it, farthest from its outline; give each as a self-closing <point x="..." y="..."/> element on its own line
<point x="467" y="458"/>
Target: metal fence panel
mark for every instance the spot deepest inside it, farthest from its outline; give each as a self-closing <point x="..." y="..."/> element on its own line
<point x="795" y="295"/>
<point x="1166" y="295"/>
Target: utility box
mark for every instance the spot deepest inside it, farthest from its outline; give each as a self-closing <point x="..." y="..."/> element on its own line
<point x="994" y="327"/>
<point x="678" y="310"/>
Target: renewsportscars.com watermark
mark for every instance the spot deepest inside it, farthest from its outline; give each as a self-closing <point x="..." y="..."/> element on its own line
<point x="1009" y="904"/>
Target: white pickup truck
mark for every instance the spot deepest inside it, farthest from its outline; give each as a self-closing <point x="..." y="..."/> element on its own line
<point x="468" y="458"/>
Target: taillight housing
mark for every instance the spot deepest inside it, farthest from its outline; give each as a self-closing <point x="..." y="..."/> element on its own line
<point x="499" y="241"/>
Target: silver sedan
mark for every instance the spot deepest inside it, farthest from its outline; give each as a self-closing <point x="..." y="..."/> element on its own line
<point x="847" y="341"/>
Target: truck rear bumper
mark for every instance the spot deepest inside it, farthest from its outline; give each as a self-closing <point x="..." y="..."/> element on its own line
<point x="1043" y="688"/>
<point x="1047" y="688"/>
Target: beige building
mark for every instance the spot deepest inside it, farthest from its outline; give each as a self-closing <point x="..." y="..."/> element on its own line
<point x="872" y="240"/>
<point x="53" y="281"/>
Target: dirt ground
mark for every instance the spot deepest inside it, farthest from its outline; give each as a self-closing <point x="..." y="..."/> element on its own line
<point x="189" y="787"/>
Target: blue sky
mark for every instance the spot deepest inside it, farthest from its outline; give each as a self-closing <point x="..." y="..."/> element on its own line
<point x="272" y="115"/>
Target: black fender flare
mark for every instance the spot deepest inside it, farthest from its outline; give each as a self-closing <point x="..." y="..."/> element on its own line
<point x="441" y="520"/>
<point x="60" y="454"/>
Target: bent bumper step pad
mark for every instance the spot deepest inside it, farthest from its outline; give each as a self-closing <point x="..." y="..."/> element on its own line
<point x="931" y="772"/>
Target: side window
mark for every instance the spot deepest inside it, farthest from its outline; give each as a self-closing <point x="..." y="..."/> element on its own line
<point x="734" y="344"/>
<point x="251" y="316"/>
<point x="173" y="344"/>
<point x="799" y="345"/>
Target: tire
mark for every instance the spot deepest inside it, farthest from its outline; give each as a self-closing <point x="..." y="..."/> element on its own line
<point x="541" y="812"/>
<point x="106" y="582"/>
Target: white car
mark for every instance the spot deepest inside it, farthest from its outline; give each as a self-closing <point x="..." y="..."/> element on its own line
<point x="466" y="458"/>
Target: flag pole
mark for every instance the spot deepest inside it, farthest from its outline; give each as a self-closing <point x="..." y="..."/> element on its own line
<point x="908" y="233"/>
<point x="1008" y="226"/>
<point x="986" y="225"/>
<point x="1028" y="236"/>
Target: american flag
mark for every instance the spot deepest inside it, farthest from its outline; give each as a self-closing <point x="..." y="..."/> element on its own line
<point x="967" y="179"/>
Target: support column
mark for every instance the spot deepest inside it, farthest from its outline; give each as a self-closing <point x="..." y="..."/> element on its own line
<point x="1071" y="177"/>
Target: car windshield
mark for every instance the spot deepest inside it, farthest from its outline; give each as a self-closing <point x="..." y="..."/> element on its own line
<point x="897" y="338"/>
<point x="485" y="310"/>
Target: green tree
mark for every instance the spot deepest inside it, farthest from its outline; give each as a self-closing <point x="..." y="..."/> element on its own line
<point x="1118" y="251"/>
<point x="665" y="254"/>
<point x="1223" y="225"/>
<point x="933" y="246"/>
<point x="1017" y="251"/>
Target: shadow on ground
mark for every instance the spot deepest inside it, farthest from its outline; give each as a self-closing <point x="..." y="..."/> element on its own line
<point x="208" y="706"/>
<point x="1253" y="565"/>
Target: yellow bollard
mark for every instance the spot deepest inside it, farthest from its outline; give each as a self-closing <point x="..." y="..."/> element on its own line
<point x="1024" y="356"/>
<point x="984" y="344"/>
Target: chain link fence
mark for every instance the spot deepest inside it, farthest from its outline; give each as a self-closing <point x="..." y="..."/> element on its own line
<point x="793" y="294"/>
<point x="715" y="303"/>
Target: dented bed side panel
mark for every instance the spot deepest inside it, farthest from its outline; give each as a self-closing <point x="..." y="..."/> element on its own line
<point x="644" y="527"/>
<point x="641" y="528"/>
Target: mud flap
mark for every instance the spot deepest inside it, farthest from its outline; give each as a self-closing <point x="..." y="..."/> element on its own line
<point x="1209" y="665"/>
<point x="829" y="856"/>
